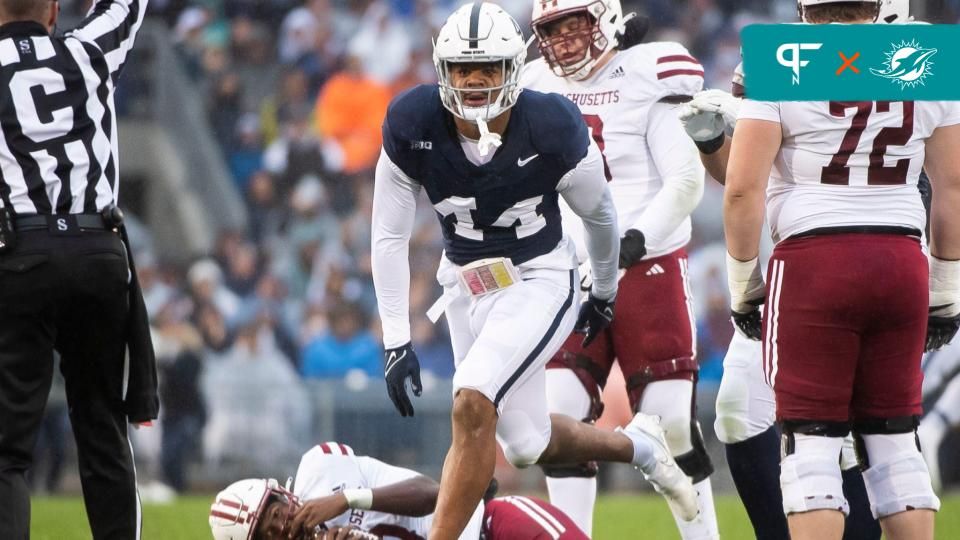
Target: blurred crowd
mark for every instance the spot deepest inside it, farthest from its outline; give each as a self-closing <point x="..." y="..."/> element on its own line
<point x="296" y="92"/>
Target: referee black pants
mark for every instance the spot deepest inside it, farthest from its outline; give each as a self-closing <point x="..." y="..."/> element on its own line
<point x="67" y="293"/>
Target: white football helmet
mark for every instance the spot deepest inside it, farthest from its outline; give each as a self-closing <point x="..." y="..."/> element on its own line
<point x="607" y="18"/>
<point x="236" y="511"/>
<point x="894" y="11"/>
<point x="801" y="4"/>
<point x="480" y="32"/>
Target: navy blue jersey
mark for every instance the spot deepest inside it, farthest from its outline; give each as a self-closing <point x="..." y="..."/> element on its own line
<point x="506" y="207"/>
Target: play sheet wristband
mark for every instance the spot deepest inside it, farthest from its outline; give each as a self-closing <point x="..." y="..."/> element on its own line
<point x="477" y="279"/>
<point x="488" y="275"/>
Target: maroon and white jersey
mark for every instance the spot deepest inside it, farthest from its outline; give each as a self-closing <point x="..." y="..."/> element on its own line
<point x="527" y="518"/>
<point x="848" y="163"/>
<point x="617" y="103"/>
<point x="332" y="467"/>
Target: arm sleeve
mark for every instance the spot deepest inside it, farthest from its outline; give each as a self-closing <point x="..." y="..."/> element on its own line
<point x="394" y="212"/>
<point x="760" y="110"/>
<point x="112" y="26"/>
<point x="585" y="190"/>
<point x="678" y="161"/>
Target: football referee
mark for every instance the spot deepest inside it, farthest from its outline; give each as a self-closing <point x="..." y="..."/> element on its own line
<point x="67" y="282"/>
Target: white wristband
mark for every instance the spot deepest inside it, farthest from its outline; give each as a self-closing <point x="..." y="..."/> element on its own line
<point x="745" y="282"/>
<point x="361" y="499"/>
<point x="945" y="287"/>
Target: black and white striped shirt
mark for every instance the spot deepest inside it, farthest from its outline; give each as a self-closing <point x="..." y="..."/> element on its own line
<point x="58" y="150"/>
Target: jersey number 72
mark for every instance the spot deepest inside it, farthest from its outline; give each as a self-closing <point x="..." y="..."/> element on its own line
<point x="838" y="173"/>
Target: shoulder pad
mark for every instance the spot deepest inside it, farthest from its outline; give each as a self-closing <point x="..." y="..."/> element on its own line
<point x="406" y="119"/>
<point x="533" y="71"/>
<point x="328" y="451"/>
<point x="665" y="69"/>
<point x="556" y="126"/>
<point x="334" y="448"/>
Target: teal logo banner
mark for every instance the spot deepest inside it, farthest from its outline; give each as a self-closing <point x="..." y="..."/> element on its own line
<point x="851" y="62"/>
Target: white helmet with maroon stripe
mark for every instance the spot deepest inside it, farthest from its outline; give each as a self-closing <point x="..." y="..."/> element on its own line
<point x="236" y="510"/>
<point x="606" y="21"/>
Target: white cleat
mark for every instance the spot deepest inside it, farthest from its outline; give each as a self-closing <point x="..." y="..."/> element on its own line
<point x="666" y="476"/>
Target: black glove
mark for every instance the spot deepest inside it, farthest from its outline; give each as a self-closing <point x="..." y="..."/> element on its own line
<point x="399" y="364"/>
<point x="750" y="323"/>
<point x="595" y="315"/>
<point x="632" y="248"/>
<point x="940" y="330"/>
<point x="634" y="30"/>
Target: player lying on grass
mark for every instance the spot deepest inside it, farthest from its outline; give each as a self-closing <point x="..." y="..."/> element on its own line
<point x="339" y="495"/>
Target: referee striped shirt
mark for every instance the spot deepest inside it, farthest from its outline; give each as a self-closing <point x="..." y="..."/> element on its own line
<point x="58" y="150"/>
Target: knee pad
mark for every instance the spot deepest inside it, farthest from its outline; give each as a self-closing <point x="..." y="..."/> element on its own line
<point x="745" y="404"/>
<point x="894" y="472"/>
<point x="522" y="439"/>
<point x="677" y="369"/>
<point x="696" y="463"/>
<point x="574" y="393"/>
<point x="672" y="401"/>
<point x="810" y="477"/>
<point x="731" y="423"/>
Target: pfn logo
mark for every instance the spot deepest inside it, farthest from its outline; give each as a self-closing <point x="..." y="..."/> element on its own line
<point x="794" y="62"/>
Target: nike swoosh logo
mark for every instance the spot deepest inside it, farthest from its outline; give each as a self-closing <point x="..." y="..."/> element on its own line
<point x="522" y="162"/>
<point x="394" y="360"/>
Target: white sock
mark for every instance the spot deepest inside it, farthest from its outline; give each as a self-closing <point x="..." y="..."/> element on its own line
<point x="704" y="526"/>
<point x="576" y="497"/>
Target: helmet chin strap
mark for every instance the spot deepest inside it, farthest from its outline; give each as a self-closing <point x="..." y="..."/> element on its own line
<point x="488" y="139"/>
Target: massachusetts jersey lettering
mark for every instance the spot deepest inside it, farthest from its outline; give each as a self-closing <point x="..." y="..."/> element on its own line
<point x="845" y="163"/>
<point x="507" y="207"/>
<point x="615" y="103"/>
<point x="592" y="99"/>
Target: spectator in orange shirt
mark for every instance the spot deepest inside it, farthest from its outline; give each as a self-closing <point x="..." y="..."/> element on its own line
<point x="349" y="112"/>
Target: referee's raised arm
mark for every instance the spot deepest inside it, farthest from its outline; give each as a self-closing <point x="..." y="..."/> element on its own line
<point x="112" y="25"/>
<point x="67" y="282"/>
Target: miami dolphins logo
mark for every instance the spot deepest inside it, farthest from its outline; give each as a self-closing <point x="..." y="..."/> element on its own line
<point x="907" y="64"/>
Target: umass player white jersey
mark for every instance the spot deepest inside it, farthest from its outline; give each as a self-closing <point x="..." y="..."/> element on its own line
<point x="848" y="163"/>
<point x="332" y="467"/>
<point x="617" y="103"/>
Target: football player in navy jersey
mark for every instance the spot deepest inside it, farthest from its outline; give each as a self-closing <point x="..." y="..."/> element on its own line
<point x="493" y="162"/>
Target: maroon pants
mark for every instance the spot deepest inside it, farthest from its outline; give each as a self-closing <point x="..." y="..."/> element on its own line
<point x="652" y="334"/>
<point x="527" y="518"/>
<point x="844" y="326"/>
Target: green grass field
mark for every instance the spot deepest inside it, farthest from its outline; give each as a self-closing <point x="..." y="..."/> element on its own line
<point x="618" y="517"/>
